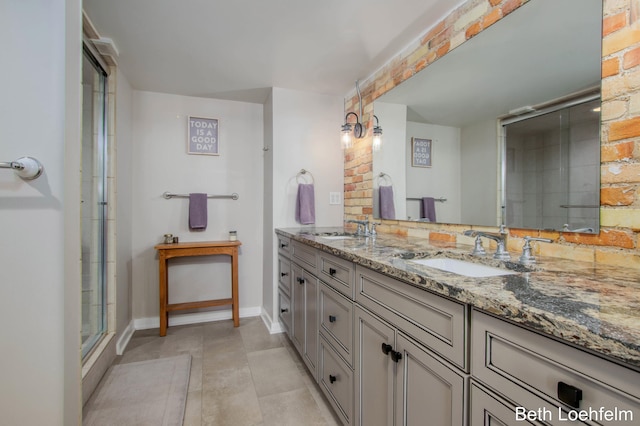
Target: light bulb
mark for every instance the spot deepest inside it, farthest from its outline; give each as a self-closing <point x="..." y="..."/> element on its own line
<point x="377" y="143"/>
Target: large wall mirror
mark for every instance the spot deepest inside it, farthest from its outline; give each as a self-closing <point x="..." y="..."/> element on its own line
<point x="504" y="129"/>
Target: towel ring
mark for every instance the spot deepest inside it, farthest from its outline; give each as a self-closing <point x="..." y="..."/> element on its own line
<point x="384" y="176"/>
<point x="301" y="173"/>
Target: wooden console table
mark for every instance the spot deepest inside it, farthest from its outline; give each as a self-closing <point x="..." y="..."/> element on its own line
<point x="205" y="248"/>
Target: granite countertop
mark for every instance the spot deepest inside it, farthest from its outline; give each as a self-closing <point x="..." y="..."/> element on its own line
<point x="593" y="306"/>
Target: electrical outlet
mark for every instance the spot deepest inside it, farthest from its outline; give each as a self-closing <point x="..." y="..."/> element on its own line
<point x="335" y="198"/>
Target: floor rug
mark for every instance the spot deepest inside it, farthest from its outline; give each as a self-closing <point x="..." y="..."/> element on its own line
<point x="141" y="393"/>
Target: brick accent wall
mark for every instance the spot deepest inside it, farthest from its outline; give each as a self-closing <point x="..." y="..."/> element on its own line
<point x="619" y="237"/>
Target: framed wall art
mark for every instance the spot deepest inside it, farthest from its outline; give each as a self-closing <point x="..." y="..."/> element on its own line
<point x="421" y="152"/>
<point x="202" y="138"/>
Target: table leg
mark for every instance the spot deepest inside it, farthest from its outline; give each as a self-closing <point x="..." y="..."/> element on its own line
<point x="164" y="284"/>
<point x="234" y="288"/>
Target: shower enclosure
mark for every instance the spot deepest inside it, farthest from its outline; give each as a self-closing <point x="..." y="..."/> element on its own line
<point x="552" y="168"/>
<point x="93" y="204"/>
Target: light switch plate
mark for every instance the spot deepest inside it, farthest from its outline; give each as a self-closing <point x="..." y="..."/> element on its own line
<point x="335" y="198"/>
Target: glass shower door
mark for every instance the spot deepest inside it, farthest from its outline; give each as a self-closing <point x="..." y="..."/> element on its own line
<point x="94" y="203"/>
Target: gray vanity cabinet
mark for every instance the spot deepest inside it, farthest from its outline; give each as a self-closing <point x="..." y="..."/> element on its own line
<point x="304" y="300"/>
<point x="398" y="381"/>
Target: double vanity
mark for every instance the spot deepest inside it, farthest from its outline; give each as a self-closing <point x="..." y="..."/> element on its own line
<point x="399" y="330"/>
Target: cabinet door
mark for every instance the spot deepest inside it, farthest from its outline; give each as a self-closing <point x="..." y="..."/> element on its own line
<point x="426" y="388"/>
<point x="297" y="306"/>
<point x="310" y="348"/>
<point x="373" y="371"/>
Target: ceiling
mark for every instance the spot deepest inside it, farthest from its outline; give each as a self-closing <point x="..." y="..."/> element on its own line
<point x="238" y="49"/>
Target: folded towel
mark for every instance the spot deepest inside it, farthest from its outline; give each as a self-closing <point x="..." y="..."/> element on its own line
<point x="387" y="207"/>
<point x="198" y="211"/>
<point x="305" y="204"/>
<point x="428" y="209"/>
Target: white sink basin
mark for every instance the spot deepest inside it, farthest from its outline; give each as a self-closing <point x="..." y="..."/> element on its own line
<point x="336" y="237"/>
<point x="460" y="267"/>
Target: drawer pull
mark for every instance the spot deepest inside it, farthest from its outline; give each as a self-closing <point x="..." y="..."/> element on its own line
<point x="300" y="280"/>
<point x="283" y="245"/>
<point x="332" y="378"/>
<point x="386" y="348"/>
<point x="284" y="274"/>
<point x="332" y="318"/>
<point x="570" y="395"/>
<point x="284" y="310"/>
<point x="396" y="356"/>
<point x="332" y="272"/>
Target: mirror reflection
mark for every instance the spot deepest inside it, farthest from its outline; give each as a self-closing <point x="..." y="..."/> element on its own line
<point x="444" y="153"/>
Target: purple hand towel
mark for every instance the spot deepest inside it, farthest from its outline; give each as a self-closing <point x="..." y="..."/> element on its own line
<point x="305" y="204"/>
<point x="428" y="210"/>
<point x="198" y="211"/>
<point x="387" y="207"/>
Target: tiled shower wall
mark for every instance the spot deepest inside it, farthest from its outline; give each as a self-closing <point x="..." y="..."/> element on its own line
<point x="617" y="242"/>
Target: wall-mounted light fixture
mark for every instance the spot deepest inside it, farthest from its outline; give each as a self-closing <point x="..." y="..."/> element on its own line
<point x="377" y="136"/>
<point x="359" y="130"/>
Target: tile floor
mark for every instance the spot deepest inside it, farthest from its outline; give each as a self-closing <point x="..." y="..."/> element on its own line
<point x="239" y="376"/>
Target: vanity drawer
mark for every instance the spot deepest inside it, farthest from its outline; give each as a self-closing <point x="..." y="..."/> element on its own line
<point x="284" y="275"/>
<point x="304" y="256"/>
<point x="336" y="321"/>
<point x="438" y="323"/>
<point x="284" y="246"/>
<point x="337" y="272"/>
<point x="336" y="381"/>
<point x="487" y="409"/>
<point x="513" y="360"/>
<point x="284" y="311"/>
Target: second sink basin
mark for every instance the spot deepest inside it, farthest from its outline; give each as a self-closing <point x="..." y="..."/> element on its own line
<point x="336" y="237"/>
<point x="460" y="267"/>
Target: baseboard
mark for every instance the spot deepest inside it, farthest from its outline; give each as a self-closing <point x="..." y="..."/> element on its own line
<point x="273" y="327"/>
<point x="195" y="318"/>
<point x="126" y="335"/>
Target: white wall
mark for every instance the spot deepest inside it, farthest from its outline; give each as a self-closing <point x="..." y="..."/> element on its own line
<point x="442" y="179"/>
<point x="39" y="220"/>
<point x="305" y="135"/>
<point x="391" y="157"/>
<point x="124" y="199"/>
<point x="161" y="164"/>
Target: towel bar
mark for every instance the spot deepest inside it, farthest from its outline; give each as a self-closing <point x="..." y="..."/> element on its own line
<point x="169" y="195"/>
<point x="440" y="200"/>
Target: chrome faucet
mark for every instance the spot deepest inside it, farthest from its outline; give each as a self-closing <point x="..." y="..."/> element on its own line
<point x="500" y="239"/>
<point x="365" y="227"/>
<point x="527" y="258"/>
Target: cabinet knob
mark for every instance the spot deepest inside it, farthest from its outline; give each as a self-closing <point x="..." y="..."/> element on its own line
<point x="332" y="318"/>
<point x="284" y="274"/>
<point x="570" y="395"/>
<point x="396" y="356"/>
<point x="332" y="272"/>
<point x="300" y="280"/>
<point x="332" y="378"/>
<point x="283" y="245"/>
<point x="386" y="348"/>
<point x="284" y="310"/>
